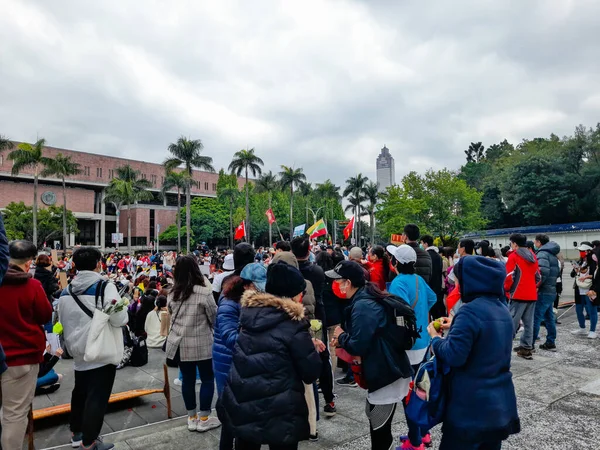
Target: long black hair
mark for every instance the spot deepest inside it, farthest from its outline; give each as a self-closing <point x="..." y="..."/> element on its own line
<point x="324" y="260"/>
<point x="380" y="252"/>
<point x="186" y="275"/>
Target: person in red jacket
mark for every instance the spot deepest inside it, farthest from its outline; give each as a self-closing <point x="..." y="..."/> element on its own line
<point x="520" y="286"/>
<point x="24" y="309"/>
<point x="378" y="265"/>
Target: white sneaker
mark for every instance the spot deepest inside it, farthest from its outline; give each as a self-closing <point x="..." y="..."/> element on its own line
<point x="208" y="424"/>
<point x="579" y="332"/>
<point x="177" y="382"/>
<point x="592" y="335"/>
<point x="193" y="423"/>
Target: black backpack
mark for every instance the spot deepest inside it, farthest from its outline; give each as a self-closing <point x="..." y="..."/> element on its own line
<point x="401" y="330"/>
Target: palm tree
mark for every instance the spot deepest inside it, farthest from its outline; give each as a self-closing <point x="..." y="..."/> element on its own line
<point x="244" y="161"/>
<point x="306" y="190"/>
<point x="371" y="195"/>
<point x="127" y="188"/>
<point x="291" y="177"/>
<point x="230" y="194"/>
<point x="330" y="193"/>
<point x="29" y="156"/>
<point x="354" y="187"/>
<point x="268" y="183"/>
<point x="5" y="143"/>
<point x="181" y="182"/>
<point x="62" y="167"/>
<point x="187" y="153"/>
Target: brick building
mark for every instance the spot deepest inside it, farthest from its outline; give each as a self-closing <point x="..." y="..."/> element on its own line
<point x="96" y="219"/>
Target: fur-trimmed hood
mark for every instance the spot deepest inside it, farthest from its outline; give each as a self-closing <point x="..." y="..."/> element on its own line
<point x="262" y="311"/>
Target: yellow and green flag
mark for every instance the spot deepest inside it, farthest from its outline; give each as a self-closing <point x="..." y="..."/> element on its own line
<point x="318" y="229"/>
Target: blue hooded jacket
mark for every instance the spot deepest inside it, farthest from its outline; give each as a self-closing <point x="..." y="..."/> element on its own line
<point x="481" y="402"/>
<point x="405" y="287"/>
<point x="227" y="325"/>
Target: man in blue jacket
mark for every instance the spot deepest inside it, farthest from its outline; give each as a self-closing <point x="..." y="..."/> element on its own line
<point x="544" y="307"/>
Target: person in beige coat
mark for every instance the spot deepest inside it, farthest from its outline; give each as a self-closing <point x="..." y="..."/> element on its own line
<point x="193" y="311"/>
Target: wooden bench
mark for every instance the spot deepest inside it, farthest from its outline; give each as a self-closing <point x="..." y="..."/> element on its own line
<point x="58" y="410"/>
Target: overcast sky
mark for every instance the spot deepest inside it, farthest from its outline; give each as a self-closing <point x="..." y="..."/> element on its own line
<point x="316" y="84"/>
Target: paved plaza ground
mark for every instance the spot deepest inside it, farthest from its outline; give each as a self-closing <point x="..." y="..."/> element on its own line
<point x="558" y="397"/>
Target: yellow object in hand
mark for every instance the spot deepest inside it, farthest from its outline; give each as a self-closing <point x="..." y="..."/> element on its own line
<point x="316" y="325"/>
<point x="57" y="328"/>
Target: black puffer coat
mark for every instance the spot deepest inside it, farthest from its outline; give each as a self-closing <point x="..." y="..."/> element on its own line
<point x="263" y="400"/>
<point x="49" y="283"/>
<point x="423" y="265"/>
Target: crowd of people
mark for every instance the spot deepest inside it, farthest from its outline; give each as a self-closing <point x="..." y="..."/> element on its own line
<point x="271" y="328"/>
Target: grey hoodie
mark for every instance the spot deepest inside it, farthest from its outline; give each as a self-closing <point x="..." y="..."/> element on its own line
<point x="76" y="323"/>
<point x="549" y="267"/>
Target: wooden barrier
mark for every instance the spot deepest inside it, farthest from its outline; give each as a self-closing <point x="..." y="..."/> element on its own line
<point x="58" y="410"/>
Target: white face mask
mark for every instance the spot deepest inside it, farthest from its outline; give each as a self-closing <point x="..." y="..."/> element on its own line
<point x="478" y="251"/>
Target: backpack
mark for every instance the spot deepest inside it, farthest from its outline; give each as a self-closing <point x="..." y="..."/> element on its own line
<point x="401" y="330"/>
<point x="425" y="404"/>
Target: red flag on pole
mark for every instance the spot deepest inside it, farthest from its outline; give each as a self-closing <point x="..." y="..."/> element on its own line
<point x="349" y="228"/>
<point x="240" y="231"/>
<point x="270" y="216"/>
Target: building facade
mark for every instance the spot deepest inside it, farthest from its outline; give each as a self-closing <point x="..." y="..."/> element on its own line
<point x="96" y="219"/>
<point x="386" y="170"/>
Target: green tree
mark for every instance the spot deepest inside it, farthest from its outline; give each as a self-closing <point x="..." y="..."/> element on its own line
<point x="188" y="153"/>
<point x="330" y="194"/>
<point x="371" y="195"/>
<point x="127" y="188"/>
<point x="30" y="156"/>
<point x="245" y="161"/>
<point x="18" y="221"/>
<point x="354" y="188"/>
<point x="268" y="183"/>
<point x="5" y="144"/>
<point x="62" y="167"/>
<point x="290" y="177"/>
<point x="209" y="220"/>
<point x="475" y="152"/>
<point x="172" y="234"/>
<point x="305" y="189"/>
<point x="181" y="182"/>
<point x="229" y="195"/>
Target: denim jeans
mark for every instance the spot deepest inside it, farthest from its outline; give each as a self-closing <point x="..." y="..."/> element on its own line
<point x="47" y="380"/>
<point x="520" y="310"/>
<point x="188" y="385"/>
<point x="592" y="311"/>
<point x="544" y="312"/>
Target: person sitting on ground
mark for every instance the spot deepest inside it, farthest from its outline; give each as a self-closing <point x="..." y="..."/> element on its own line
<point x="156" y="325"/>
<point x="481" y="408"/>
<point x="48" y="380"/>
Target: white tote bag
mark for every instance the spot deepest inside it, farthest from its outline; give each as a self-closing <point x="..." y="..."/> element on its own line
<point x="104" y="343"/>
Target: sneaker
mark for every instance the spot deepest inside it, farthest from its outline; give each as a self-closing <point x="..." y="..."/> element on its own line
<point x="177" y="382"/>
<point x="579" y="332"/>
<point x="329" y="410"/>
<point x="193" y="423"/>
<point x="592" y="335"/>
<point x="98" y="445"/>
<point x="426" y="440"/>
<point x="406" y="445"/>
<point x="525" y="354"/>
<point x="208" y="424"/>
<point x="548" y="346"/>
<point x="314" y="437"/>
<point x="346" y="382"/>
<point x="76" y="439"/>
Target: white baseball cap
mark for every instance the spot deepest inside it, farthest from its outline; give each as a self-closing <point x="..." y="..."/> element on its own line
<point x="228" y="262"/>
<point x="404" y="254"/>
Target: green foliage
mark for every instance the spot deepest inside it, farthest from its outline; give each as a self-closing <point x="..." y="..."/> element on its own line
<point x="540" y="181"/>
<point x="210" y="220"/>
<point x="438" y="201"/>
<point x="169" y="236"/>
<point x="18" y="220"/>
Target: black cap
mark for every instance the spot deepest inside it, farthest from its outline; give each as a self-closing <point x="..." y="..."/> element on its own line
<point x="483" y="243"/>
<point x="284" y="280"/>
<point x="348" y="270"/>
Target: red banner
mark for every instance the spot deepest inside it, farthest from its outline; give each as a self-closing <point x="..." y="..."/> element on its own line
<point x="240" y="231"/>
<point x="349" y="228"/>
<point x="270" y="216"/>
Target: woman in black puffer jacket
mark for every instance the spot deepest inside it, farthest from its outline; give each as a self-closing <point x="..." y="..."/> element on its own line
<point x="44" y="274"/>
<point x="263" y="401"/>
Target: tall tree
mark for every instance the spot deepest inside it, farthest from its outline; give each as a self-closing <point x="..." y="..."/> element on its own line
<point x="291" y="177"/>
<point x="330" y="193"/>
<point x="181" y="182"/>
<point x="127" y="188"/>
<point x="306" y="191"/>
<point x="354" y="187"/>
<point x="5" y="143"/>
<point x="246" y="161"/>
<point x="30" y="156"/>
<point x="188" y="153"/>
<point x="371" y="195"/>
<point x="62" y="167"/>
<point x="230" y="194"/>
<point x="268" y="183"/>
<point x="475" y="152"/>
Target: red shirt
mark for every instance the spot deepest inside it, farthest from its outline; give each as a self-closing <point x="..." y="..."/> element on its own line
<point x="376" y="273"/>
<point x="24" y="309"/>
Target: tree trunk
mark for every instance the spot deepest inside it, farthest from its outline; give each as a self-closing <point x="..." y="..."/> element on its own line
<point x="247" y="209"/>
<point x="188" y="219"/>
<point x="178" y="221"/>
<point x="129" y="227"/>
<point x="118" y="214"/>
<point x="35" y="205"/>
<point x="64" y="216"/>
<point x="291" y="211"/>
<point x="270" y="225"/>
<point x="231" y="223"/>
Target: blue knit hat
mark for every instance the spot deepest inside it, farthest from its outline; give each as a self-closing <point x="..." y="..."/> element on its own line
<point x="257" y="273"/>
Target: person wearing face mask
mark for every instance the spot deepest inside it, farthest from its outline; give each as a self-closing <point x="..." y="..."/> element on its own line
<point x="387" y="370"/>
<point x="24" y="309"/>
<point x="583" y="272"/>
<point x="263" y="401"/>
